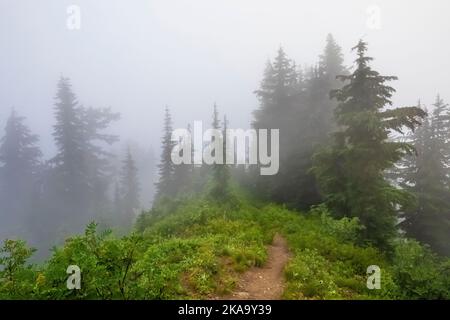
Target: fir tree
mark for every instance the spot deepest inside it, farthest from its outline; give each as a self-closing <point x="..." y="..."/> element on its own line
<point x="215" y="122"/>
<point x="323" y="80"/>
<point x="129" y="188"/>
<point x="278" y="105"/>
<point x="351" y="171"/>
<point x="19" y="165"/>
<point x="298" y="104"/>
<point x="80" y="172"/>
<point x="164" y="186"/>
<point x="314" y="121"/>
<point x="99" y="168"/>
<point x="183" y="173"/>
<point x="221" y="174"/>
<point x="427" y="176"/>
<point x="276" y="91"/>
<point x="331" y="63"/>
<point x="70" y="162"/>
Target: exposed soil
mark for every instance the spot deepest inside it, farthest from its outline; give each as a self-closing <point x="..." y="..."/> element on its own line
<point x="267" y="282"/>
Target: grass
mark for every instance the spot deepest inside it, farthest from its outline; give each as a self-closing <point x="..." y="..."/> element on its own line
<point x="197" y="249"/>
<point x="326" y="262"/>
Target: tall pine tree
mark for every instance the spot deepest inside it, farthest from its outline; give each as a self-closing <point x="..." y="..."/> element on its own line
<point x="183" y="173"/>
<point x="164" y="186"/>
<point x="80" y="177"/>
<point x="427" y="176"/>
<point x="275" y="93"/>
<point x="99" y="167"/>
<point x="298" y="104"/>
<point x="314" y="122"/>
<point x="19" y="165"/>
<point x="221" y="175"/>
<point x="70" y="163"/>
<point x="351" y="171"/>
<point x="129" y="188"/>
<point x="277" y="96"/>
<point x="321" y="82"/>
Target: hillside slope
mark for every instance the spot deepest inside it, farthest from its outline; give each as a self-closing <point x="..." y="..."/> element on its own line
<point x="197" y="249"/>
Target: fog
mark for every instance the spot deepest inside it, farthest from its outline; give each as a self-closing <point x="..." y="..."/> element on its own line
<point x="139" y="56"/>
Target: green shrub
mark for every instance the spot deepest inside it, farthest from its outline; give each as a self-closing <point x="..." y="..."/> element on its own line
<point x="197" y="248"/>
<point x="16" y="277"/>
<point x="419" y="273"/>
<point x="308" y="276"/>
<point x="345" y="229"/>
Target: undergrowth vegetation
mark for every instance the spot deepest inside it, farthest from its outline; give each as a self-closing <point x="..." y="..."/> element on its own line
<point x="198" y="249"/>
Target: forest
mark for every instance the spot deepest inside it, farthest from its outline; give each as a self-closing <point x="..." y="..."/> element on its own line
<point x="361" y="182"/>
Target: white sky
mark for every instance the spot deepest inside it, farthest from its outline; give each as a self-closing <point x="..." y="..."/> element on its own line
<point x="136" y="56"/>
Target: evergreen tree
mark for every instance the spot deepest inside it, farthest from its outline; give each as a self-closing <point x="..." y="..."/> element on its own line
<point x="215" y="122"/>
<point x="298" y="104"/>
<point x="331" y="63"/>
<point x="278" y="105"/>
<point x="99" y="167"/>
<point x="19" y="165"/>
<point x="221" y="174"/>
<point x="165" y="186"/>
<point x="183" y="172"/>
<point x="321" y="83"/>
<point x="275" y="93"/>
<point x="70" y="163"/>
<point x="224" y="176"/>
<point x="351" y="171"/>
<point x="129" y="189"/>
<point x="81" y="173"/>
<point x="314" y="122"/>
<point x="427" y="176"/>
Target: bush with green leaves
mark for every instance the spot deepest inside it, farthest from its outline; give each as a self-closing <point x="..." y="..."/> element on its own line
<point x="199" y="250"/>
<point x="419" y="273"/>
<point x="106" y="264"/>
<point x="16" y="276"/>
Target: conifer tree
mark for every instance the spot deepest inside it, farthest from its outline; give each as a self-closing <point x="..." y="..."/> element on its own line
<point x="70" y="162"/>
<point x="129" y="188"/>
<point x="80" y="173"/>
<point x="183" y="173"/>
<point x="221" y="174"/>
<point x="320" y="84"/>
<point x="351" y="171"/>
<point x="314" y="121"/>
<point x="215" y="122"/>
<point x="298" y="104"/>
<point x="278" y="100"/>
<point x="427" y="176"/>
<point x="19" y="165"/>
<point x="276" y="91"/>
<point x="331" y="63"/>
<point x="164" y="186"/>
<point x="224" y="177"/>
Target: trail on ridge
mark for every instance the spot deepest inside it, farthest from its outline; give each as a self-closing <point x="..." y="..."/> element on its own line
<point x="267" y="282"/>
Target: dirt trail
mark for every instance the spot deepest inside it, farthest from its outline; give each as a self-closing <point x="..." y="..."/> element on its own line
<point x="266" y="283"/>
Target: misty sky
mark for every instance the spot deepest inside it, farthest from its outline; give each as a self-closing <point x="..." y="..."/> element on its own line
<point x="137" y="56"/>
